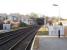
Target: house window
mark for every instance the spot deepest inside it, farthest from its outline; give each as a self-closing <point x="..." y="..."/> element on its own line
<point x="14" y="17"/>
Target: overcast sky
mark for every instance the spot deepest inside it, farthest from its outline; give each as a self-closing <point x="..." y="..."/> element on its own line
<point x="38" y="6"/>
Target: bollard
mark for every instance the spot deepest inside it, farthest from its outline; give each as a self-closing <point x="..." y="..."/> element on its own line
<point x="58" y="33"/>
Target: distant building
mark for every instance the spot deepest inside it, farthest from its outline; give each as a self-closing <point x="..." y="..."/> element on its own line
<point x="26" y="19"/>
<point x="3" y="17"/>
<point x="15" y="17"/>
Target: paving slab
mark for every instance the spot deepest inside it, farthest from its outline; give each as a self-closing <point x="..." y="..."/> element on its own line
<point x="52" y="43"/>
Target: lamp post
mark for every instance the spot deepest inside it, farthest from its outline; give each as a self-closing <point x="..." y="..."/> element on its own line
<point x="59" y="31"/>
<point x="58" y="10"/>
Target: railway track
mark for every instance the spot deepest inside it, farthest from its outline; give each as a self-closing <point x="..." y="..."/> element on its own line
<point x="11" y="36"/>
<point x="12" y="40"/>
<point x="10" y="33"/>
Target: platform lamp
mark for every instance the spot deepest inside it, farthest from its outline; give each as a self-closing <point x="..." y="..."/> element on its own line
<point x="58" y="10"/>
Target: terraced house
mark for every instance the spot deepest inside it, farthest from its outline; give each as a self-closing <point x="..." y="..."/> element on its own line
<point x="26" y="19"/>
<point x="3" y="17"/>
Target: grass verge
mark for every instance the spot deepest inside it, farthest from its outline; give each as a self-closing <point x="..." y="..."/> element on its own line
<point x="42" y="33"/>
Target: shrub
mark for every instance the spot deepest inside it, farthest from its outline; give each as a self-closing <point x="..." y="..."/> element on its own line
<point x="22" y="24"/>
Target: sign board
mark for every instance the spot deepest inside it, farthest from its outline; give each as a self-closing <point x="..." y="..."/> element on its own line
<point x="6" y="27"/>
